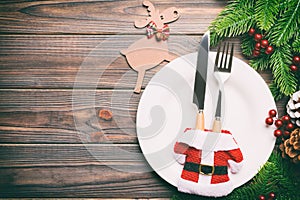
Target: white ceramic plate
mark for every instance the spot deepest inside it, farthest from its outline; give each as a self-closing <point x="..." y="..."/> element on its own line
<point x="166" y="109"/>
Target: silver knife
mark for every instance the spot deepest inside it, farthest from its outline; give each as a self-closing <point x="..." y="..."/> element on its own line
<point x="200" y="80"/>
<point x="217" y="122"/>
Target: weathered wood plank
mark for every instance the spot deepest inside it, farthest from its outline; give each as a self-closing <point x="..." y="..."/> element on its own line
<point x="42" y="170"/>
<point x="84" y="181"/>
<point x="100" y="17"/>
<point x="47" y="116"/>
<point x="48" y="61"/>
<point x="38" y="155"/>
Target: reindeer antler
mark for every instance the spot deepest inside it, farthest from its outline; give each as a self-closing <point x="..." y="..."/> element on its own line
<point x="150" y="7"/>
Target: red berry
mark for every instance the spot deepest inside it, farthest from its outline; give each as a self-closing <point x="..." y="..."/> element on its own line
<point x="289" y="126"/>
<point x="296" y="59"/>
<point x="294" y="68"/>
<point x="286" y="118"/>
<point x="269" y="50"/>
<point x="272" y="195"/>
<point x="257" y="37"/>
<point x="261" y="197"/>
<point x="277" y="133"/>
<point x="278" y="123"/>
<point x="255" y="53"/>
<point x="264" y="43"/>
<point x="272" y="113"/>
<point x="251" y="31"/>
<point x="269" y="121"/>
<point x="286" y="133"/>
<point x="257" y="46"/>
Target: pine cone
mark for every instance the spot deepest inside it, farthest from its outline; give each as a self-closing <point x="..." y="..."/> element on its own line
<point x="293" y="108"/>
<point x="291" y="147"/>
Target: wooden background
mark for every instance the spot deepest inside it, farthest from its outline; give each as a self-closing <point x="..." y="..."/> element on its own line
<point x="42" y="48"/>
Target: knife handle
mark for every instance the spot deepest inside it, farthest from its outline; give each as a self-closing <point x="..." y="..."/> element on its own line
<point x="200" y="120"/>
<point x="217" y="125"/>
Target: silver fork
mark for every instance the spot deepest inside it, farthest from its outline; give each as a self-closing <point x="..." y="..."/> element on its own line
<point x="222" y="72"/>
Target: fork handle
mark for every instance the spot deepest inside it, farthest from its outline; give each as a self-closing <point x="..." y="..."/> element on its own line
<point x="200" y="120"/>
<point x="217" y="125"/>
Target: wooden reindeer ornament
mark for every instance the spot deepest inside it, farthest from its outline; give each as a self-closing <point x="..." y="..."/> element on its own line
<point x="152" y="50"/>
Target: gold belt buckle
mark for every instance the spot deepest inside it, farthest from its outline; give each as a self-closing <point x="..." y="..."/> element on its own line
<point x="207" y="174"/>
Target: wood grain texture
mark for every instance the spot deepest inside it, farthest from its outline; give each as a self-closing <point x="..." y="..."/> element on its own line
<point x="48" y="61"/>
<point x="58" y="116"/>
<point x="100" y="17"/>
<point x="78" y="171"/>
<point x="81" y="181"/>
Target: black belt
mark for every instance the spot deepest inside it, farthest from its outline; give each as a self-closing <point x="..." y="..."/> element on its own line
<point x="205" y="169"/>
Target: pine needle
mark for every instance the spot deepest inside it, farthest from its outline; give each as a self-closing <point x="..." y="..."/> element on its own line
<point x="266" y="12"/>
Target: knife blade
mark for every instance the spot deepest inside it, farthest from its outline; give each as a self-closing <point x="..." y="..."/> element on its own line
<point x="200" y="80"/>
<point x="217" y="125"/>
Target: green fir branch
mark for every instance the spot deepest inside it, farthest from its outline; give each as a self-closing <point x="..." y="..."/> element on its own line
<point x="231" y="21"/>
<point x="266" y="12"/>
<point x="247" y="45"/>
<point x="277" y="95"/>
<point x="296" y="45"/>
<point x="260" y="63"/>
<point x="283" y="78"/>
<point x="286" y="25"/>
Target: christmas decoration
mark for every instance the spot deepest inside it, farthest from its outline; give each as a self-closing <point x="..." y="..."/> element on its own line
<point x="274" y="25"/>
<point x="291" y="147"/>
<point x="293" y="108"/>
<point x="276" y="176"/>
<point x="206" y="171"/>
<point x="150" y="51"/>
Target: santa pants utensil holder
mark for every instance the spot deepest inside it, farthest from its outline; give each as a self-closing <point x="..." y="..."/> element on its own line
<point x="207" y="164"/>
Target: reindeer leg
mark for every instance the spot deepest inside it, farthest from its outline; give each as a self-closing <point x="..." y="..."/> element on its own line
<point x="170" y="57"/>
<point x="139" y="82"/>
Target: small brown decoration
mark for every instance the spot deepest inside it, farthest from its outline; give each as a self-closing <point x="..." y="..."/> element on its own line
<point x="105" y="114"/>
<point x="152" y="50"/>
<point x="291" y="147"/>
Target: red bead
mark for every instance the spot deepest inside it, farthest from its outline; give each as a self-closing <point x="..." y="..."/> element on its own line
<point x="257" y="37"/>
<point x="269" y="121"/>
<point x="296" y="59"/>
<point x="261" y="197"/>
<point x="286" y="133"/>
<point x="277" y="133"/>
<point x="272" y="195"/>
<point x="278" y="123"/>
<point x="264" y="43"/>
<point x="272" y="113"/>
<point x="257" y="46"/>
<point x="289" y="126"/>
<point x="251" y="31"/>
<point x="269" y="50"/>
<point x="294" y="68"/>
<point x="286" y="118"/>
<point x="255" y="53"/>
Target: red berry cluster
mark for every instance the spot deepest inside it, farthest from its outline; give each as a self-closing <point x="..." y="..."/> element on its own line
<point x="260" y="44"/>
<point x="271" y="196"/>
<point x="296" y="63"/>
<point x="284" y="125"/>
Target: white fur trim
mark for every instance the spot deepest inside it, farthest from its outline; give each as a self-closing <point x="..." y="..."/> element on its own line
<point x="211" y="190"/>
<point x="180" y="158"/>
<point x="198" y="139"/>
<point x="235" y="167"/>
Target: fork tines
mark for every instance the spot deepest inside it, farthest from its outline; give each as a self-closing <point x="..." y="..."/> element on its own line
<point x="226" y="66"/>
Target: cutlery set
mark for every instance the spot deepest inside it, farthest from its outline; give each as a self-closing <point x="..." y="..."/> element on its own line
<point x="222" y="70"/>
